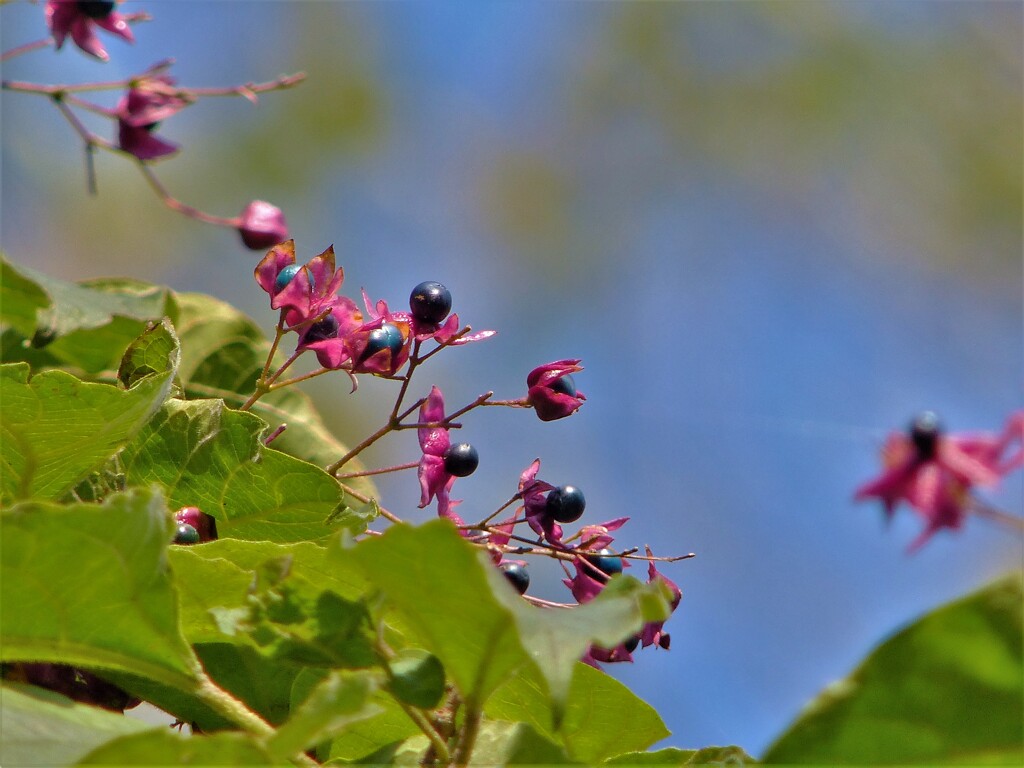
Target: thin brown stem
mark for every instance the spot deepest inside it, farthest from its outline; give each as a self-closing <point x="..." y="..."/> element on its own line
<point x="381" y="471"/>
<point x="391" y="425"/>
<point x="176" y="205"/>
<point x="1004" y="518"/>
<point x="35" y="45"/>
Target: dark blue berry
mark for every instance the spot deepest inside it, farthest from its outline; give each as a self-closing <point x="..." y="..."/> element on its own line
<point x="386" y="337"/>
<point x="461" y="459"/>
<point x="632" y="643"/>
<point x="565" y="504"/>
<point x="186" y="534"/>
<point x="96" y="9"/>
<point x="603" y="562"/>
<point x="285" y="276"/>
<point x="925" y="430"/>
<point x="325" y="328"/>
<point x="430" y="302"/>
<point x="517" y="576"/>
<point x="564" y="385"/>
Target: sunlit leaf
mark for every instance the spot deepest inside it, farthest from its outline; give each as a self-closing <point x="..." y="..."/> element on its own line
<point x="947" y="689"/>
<point x="467" y="615"/>
<point x="43" y="728"/>
<point x="223" y="352"/>
<point x="163" y="748"/>
<point x="337" y="701"/>
<point x="21" y="298"/>
<point x="88" y="584"/>
<point x="89" y="325"/>
<point x="211" y="457"/>
<point x="675" y="756"/>
<point x="57" y="429"/>
<point x="602" y="716"/>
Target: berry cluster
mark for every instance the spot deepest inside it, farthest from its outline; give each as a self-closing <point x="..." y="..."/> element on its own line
<point x="379" y="341"/>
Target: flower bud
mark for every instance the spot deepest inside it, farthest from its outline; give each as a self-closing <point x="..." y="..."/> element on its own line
<point x="262" y="225"/>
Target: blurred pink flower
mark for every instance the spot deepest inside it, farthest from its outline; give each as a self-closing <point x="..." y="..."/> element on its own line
<point x="139" y="113"/>
<point x="935" y="472"/>
<point x="79" y="19"/>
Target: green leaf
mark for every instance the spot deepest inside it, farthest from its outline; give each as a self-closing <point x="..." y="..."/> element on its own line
<point x="56" y="429"/>
<point x="437" y="582"/>
<point x="156" y="351"/>
<point x="417" y="678"/>
<point x="43" y="728"/>
<point x="500" y="743"/>
<point x="556" y="641"/>
<point x="88" y="325"/>
<point x="208" y="456"/>
<point x="165" y="748"/>
<point x="223" y="354"/>
<point x="88" y="584"/>
<point x="263" y="685"/>
<point x="947" y="689"/>
<point x="674" y="756"/>
<point x="467" y="614"/>
<point x="20" y="299"/>
<point x="602" y="716"/>
<point x="367" y="737"/>
<point x="337" y="701"/>
<point x="289" y="622"/>
<point x="231" y="564"/>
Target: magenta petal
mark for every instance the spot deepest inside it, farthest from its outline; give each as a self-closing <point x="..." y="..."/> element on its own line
<point x="142" y="143"/>
<point x="115" y="24"/>
<point x="433" y="440"/>
<point x="478" y="336"/>
<point x="551" y="405"/>
<point x="85" y="38"/>
<point x="967" y="468"/>
<point x="270" y="266"/>
<point x="432" y="477"/>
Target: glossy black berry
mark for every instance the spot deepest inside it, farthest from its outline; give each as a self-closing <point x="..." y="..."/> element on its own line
<point x="605" y="563"/>
<point x="564" y="385"/>
<point x="430" y="302"/>
<point x="186" y="534"/>
<point x="386" y="337"/>
<point x="565" y="504"/>
<point x="925" y="431"/>
<point x="517" y="576"/>
<point x="324" y="328"/>
<point x="96" y="9"/>
<point x="631" y="644"/>
<point x="285" y="276"/>
<point x="461" y="459"/>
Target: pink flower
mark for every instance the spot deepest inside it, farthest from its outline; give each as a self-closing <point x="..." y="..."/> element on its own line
<point x="652" y="633"/>
<point x="441" y="461"/>
<point x="534" y="494"/>
<point x="934" y="472"/>
<point x="552" y="391"/>
<point x="382" y="345"/>
<point x="262" y="225"/>
<point x="141" y="110"/>
<point x="79" y="19"/>
<point x="303" y="292"/>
